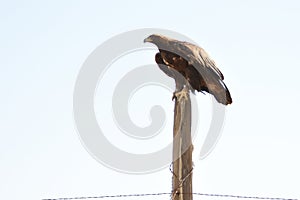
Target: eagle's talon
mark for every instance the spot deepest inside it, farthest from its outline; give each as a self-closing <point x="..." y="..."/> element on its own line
<point x="174" y="96"/>
<point x="181" y="94"/>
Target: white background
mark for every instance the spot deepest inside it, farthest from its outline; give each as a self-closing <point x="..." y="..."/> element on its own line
<point x="44" y="43"/>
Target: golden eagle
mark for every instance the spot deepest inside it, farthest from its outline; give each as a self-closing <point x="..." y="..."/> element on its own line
<point x="190" y="65"/>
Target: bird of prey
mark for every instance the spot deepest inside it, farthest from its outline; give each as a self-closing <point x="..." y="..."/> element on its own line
<point x="190" y="66"/>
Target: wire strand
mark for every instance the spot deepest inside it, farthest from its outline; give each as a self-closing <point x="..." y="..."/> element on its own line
<point x="167" y="193"/>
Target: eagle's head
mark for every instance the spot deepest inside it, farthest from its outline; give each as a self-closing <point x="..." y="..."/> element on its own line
<point x="155" y="39"/>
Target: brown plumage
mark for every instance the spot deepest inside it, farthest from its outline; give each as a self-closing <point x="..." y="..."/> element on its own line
<point x="190" y="65"/>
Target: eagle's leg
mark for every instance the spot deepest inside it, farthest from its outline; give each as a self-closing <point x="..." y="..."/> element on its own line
<point x="181" y="92"/>
<point x="180" y="82"/>
<point x="179" y="87"/>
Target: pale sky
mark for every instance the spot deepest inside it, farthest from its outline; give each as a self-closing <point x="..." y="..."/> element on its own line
<point x="44" y="44"/>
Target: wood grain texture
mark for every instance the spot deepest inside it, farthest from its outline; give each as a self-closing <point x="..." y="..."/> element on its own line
<point x="182" y="147"/>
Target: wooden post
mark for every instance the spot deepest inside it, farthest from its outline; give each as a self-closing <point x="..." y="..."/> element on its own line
<point x="182" y="147"/>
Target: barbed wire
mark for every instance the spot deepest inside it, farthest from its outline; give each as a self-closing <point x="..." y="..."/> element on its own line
<point x="168" y="193"/>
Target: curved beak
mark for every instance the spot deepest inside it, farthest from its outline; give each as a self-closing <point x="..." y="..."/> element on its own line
<point x="148" y="39"/>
